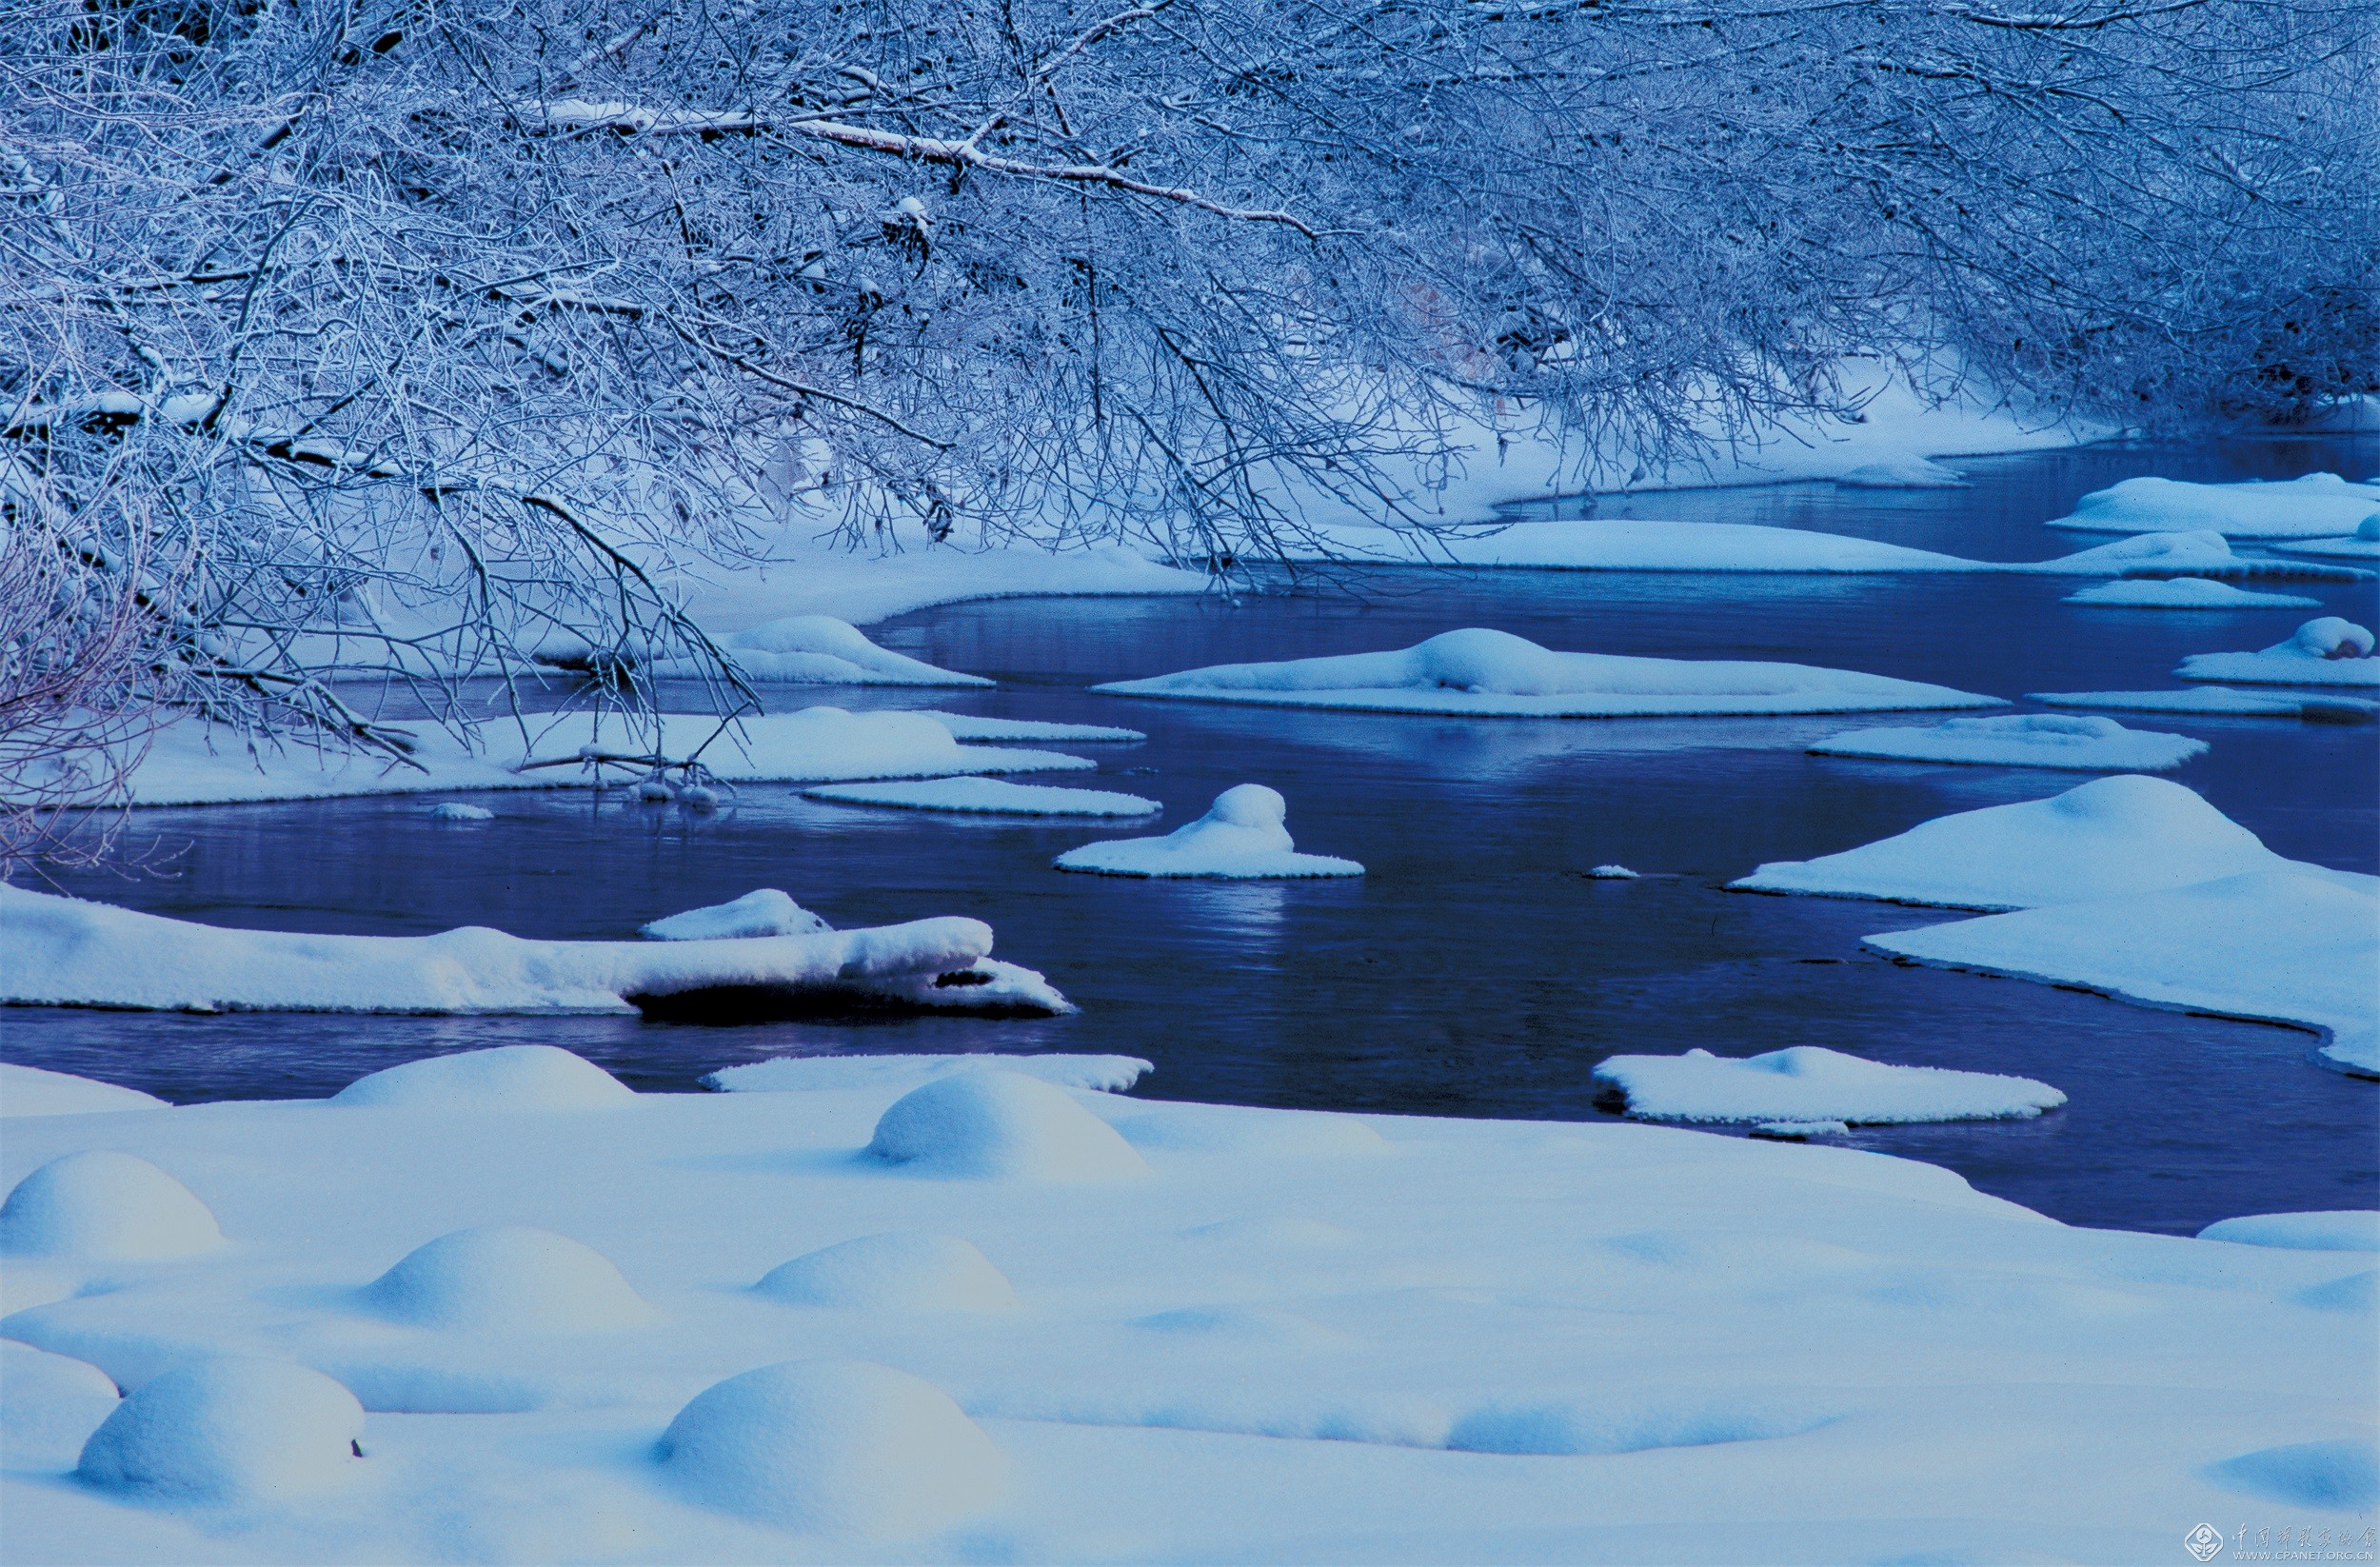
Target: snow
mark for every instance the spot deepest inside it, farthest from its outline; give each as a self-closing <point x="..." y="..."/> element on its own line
<point x="2316" y="505"/>
<point x="1612" y="873"/>
<point x="2022" y="740"/>
<point x="1494" y="674"/>
<point x="2112" y="836"/>
<point x="455" y="810"/>
<point x="1904" y="470"/>
<point x="2218" y="700"/>
<point x="105" y="1205"/>
<point x="52" y="1405"/>
<point x="2339" y="1476"/>
<point x="2363" y="545"/>
<point x="237" y="1428"/>
<point x="30" y="1091"/>
<point x="1477" y="1340"/>
<point x="1808" y="1083"/>
<point x="509" y="1278"/>
<point x="987" y="796"/>
<point x="800" y="577"/>
<point x="813" y="650"/>
<point x="2196" y="552"/>
<point x="839" y="1448"/>
<point x="189" y="764"/>
<point x="898" y="1074"/>
<point x="60" y="951"/>
<point x="2337" y="1230"/>
<point x="765" y="911"/>
<point x="997" y="1125"/>
<point x="976" y="727"/>
<point x="901" y="1271"/>
<point x="2185" y="593"/>
<point x="2327" y="651"/>
<point x="504" y="1077"/>
<point x="1244" y="835"/>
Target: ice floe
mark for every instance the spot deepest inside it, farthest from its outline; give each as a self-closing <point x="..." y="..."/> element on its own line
<point x="2316" y="505"/>
<point x="1244" y="835"/>
<point x="1807" y="1083"/>
<point x="1494" y="674"/>
<point x="30" y="1091"/>
<point x="1004" y="730"/>
<point x="813" y="650"/>
<point x="61" y="951"/>
<point x="2362" y="545"/>
<point x="1612" y="873"/>
<point x="987" y="797"/>
<point x="1904" y="470"/>
<point x="2022" y="740"/>
<point x="239" y="1429"/>
<point x="2111" y="836"/>
<point x="2334" y="1230"/>
<point x="898" y="1074"/>
<point x="2331" y="650"/>
<point x="456" y="810"/>
<point x="2218" y="701"/>
<point x="2185" y="593"/>
<point x="765" y="911"/>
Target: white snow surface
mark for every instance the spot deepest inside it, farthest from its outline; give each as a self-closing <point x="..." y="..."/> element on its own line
<point x="2112" y="836"/>
<point x="976" y="727"/>
<point x="30" y="1091"/>
<point x="2329" y="650"/>
<point x="504" y="1077"/>
<point x="765" y="911"/>
<point x="1806" y="1083"/>
<point x="899" y="1074"/>
<point x="801" y="577"/>
<point x="2362" y="545"/>
<point x="61" y="951"/>
<point x="2334" y="1230"/>
<point x="2316" y="506"/>
<point x="1470" y="1340"/>
<point x="1903" y="470"/>
<point x="1483" y="673"/>
<point x="1244" y="835"/>
<point x="2022" y="740"/>
<point x="905" y="1270"/>
<point x="2185" y="593"/>
<point x="2217" y="701"/>
<point x="987" y="796"/>
<point x="814" y="650"/>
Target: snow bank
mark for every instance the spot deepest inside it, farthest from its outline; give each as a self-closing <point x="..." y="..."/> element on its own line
<point x="763" y="912"/>
<point x="987" y="796"/>
<point x="2293" y="944"/>
<point x="1000" y="1126"/>
<point x="2316" y="505"/>
<point x="506" y="1077"/>
<point x="1806" y="1083"/>
<point x="2327" y="651"/>
<point x="2217" y="701"/>
<point x="2185" y="593"/>
<point x="1905" y="471"/>
<point x="1484" y="673"/>
<point x="901" y="1271"/>
<point x="1242" y="835"/>
<point x="2339" y="1476"/>
<point x="812" y="650"/>
<point x="794" y="1073"/>
<point x="2111" y="836"/>
<point x="59" y="951"/>
<point x="2363" y="545"/>
<point x="30" y="1091"/>
<point x="103" y="1205"/>
<point x="976" y="727"/>
<point x="805" y="578"/>
<point x="2339" y="1230"/>
<point x="835" y="1447"/>
<point x="229" y="1430"/>
<point x="506" y="1278"/>
<point x="2022" y="740"/>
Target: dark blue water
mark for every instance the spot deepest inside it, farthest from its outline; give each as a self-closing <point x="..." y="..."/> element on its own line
<point x="1474" y="971"/>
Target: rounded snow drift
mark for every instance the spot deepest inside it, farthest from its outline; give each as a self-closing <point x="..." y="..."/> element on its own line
<point x="228" y="1429"/>
<point x="509" y="1077"/>
<point x="507" y="1278"/>
<point x="836" y="1447"/>
<point x="2331" y="637"/>
<point x="105" y="1206"/>
<point x="996" y="1124"/>
<point x="1250" y="805"/>
<point x="907" y="1270"/>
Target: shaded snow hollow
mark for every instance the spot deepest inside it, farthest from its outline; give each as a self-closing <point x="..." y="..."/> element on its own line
<point x="1242" y="836"/>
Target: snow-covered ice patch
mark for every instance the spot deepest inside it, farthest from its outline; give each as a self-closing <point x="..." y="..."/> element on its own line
<point x="455" y="810"/>
<point x="2338" y="1476"/>
<point x="2218" y="702"/>
<point x="1904" y="470"/>
<point x="798" y="1074"/>
<point x="2185" y="593"/>
<point x="2329" y="650"/>
<point x="1005" y="730"/>
<point x="2316" y="505"/>
<point x="2337" y="1230"/>
<point x="103" y="1205"/>
<point x="230" y="1430"/>
<point x="1612" y="873"/>
<point x="989" y="796"/>
<point x="1807" y="1083"/>
<point x="30" y="1091"/>
<point x="905" y="1270"/>
<point x="504" y="1076"/>
<point x="506" y="1278"/>
<point x="2022" y="740"/>
<point x="793" y="650"/>
<point x="2111" y="836"/>
<point x="765" y="911"/>
<point x="1000" y="1126"/>
<point x="1244" y="835"/>
<point x="1494" y="674"/>
<point x="2362" y="545"/>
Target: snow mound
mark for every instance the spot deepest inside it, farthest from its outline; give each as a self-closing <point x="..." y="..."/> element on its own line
<point x="763" y="912"/>
<point x="2111" y="836"/>
<point x="809" y="650"/>
<point x="504" y="1077"/>
<point x="455" y="810"/>
<point x="2316" y="505"/>
<point x="1904" y="470"/>
<point x="2185" y="593"/>
<point x="835" y="1447"/>
<point x="506" y="1278"/>
<point x="30" y="1091"/>
<point x="904" y="1271"/>
<point x="234" y="1429"/>
<point x="101" y="1205"/>
<point x="2342" y="1475"/>
<point x="2022" y="740"/>
<point x="1108" y="1074"/>
<point x="1612" y="873"/>
<point x="2344" y="1230"/>
<point x="1807" y="1083"/>
<point x="997" y="1124"/>
<point x="1494" y="674"/>
<point x="987" y="796"/>
<point x="2218" y="701"/>
<point x="975" y="727"/>
<point x="1242" y="835"/>
<point x="2327" y="651"/>
<point x="1585" y="1426"/>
